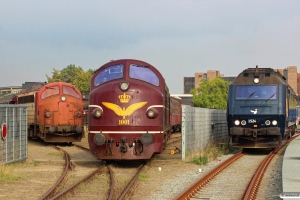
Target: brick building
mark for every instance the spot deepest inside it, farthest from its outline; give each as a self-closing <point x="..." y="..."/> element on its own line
<point x="192" y="82"/>
<point x="292" y="76"/>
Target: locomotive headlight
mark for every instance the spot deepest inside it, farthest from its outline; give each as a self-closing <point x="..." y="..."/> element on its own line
<point x="243" y="122"/>
<point x="124" y="86"/>
<point x="97" y="113"/>
<point x="99" y="139"/>
<point x="47" y="114"/>
<point x="267" y="122"/>
<point x="146" y="138"/>
<point x="256" y="80"/>
<point x="274" y="122"/>
<point x="152" y="113"/>
<point x="237" y="122"/>
<point x="63" y="98"/>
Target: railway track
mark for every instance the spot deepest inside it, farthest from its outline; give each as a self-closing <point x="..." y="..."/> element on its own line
<point x="121" y="178"/>
<point x="71" y="177"/>
<point x="233" y="175"/>
<point x="253" y="187"/>
<point x="123" y="185"/>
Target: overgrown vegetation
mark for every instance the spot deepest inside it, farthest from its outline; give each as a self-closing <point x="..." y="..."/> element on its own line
<point x="210" y="153"/>
<point x="7" y="173"/>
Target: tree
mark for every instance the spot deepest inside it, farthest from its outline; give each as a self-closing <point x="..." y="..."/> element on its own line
<point x="211" y="93"/>
<point x="73" y="75"/>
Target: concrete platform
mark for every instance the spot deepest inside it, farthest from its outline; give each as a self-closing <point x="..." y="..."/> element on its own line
<point x="291" y="171"/>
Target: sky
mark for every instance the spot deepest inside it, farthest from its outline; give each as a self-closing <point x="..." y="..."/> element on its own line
<point x="178" y="37"/>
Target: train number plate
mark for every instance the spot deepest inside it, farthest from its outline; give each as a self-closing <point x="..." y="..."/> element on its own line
<point x="251" y="120"/>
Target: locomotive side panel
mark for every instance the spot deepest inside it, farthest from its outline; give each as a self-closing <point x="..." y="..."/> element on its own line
<point x="175" y="114"/>
<point x="27" y="97"/>
<point x="31" y="113"/>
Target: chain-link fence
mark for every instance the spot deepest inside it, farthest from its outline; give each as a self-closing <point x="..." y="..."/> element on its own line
<point x="13" y="142"/>
<point x="201" y="126"/>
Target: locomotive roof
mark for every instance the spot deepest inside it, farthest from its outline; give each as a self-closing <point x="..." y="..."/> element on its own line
<point x="7" y="98"/>
<point x="265" y="75"/>
<point x="32" y="89"/>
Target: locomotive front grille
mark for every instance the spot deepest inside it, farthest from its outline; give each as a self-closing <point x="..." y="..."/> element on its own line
<point x="258" y="131"/>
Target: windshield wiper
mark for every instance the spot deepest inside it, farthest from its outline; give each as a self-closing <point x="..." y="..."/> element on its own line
<point x="270" y="97"/>
<point x="249" y="96"/>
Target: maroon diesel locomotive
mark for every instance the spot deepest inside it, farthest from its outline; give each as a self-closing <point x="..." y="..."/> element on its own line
<point x="129" y="111"/>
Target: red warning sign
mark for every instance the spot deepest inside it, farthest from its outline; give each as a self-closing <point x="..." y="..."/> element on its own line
<point x="3" y="131"/>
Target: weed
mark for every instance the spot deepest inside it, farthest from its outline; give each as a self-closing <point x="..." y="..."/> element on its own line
<point x="199" y="160"/>
<point x="56" y="153"/>
<point x="211" y="152"/>
<point x="35" y="163"/>
<point x="143" y="177"/>
<point x="7" y="174"/>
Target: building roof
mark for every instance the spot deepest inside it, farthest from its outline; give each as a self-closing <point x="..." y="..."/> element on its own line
<point x="10" y="87"/>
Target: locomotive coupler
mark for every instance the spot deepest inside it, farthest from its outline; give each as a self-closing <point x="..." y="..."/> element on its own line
<point x="108" y="143"/>
<point x="123" y="146"/>
<point x="255" y="134"/>
<point x="138" y="147"/>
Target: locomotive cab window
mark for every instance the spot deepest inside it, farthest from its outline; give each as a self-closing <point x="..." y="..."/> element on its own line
<point x="50" y="91"/>
<point x="143" y="73"/>
<point x="108" y="74"/>
<point x="70" y="91"/>
<point x="253" y="92"/>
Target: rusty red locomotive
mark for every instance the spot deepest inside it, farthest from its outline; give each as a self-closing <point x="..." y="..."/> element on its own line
<point x="55" y="111"/>
<point x="130" y="111"/>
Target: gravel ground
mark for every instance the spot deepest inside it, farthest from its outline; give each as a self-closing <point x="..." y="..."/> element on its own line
<point x="35" y="177"/>
<point x="170" y="187"/>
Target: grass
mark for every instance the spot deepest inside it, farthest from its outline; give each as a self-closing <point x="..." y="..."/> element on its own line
<point x="57" y="153"/>
<point x="35" y="163"/>
<point x="211" y="152"/>
<point x="143" y="177"/>
<point x="7" y="173"/>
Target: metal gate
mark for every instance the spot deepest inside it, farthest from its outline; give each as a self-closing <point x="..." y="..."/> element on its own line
<point x="13" y="133"/>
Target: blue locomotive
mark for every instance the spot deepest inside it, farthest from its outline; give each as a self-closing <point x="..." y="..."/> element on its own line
<point x="260" y="109"/>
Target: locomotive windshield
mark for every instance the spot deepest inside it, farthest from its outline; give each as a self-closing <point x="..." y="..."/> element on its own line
<point x="108" y="74"/>
<point x="50" y="91"/>
<point x="70" y="91"/>
<point x="143" y="73"/>
<point x="246" y="92"/>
